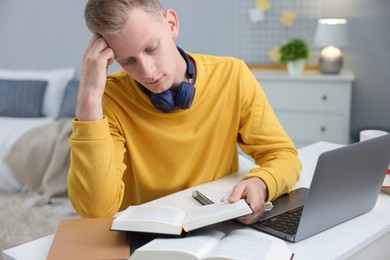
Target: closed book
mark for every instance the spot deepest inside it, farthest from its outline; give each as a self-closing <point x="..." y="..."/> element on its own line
<point x="88" y="238"/>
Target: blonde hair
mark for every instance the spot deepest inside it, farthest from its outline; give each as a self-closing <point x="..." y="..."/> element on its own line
<point x="107" y="17"/>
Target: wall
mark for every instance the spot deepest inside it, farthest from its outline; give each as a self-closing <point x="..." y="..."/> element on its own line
<point x="223" y="27"/>
<point x="368" y="56"/>
<point x="43" y="34"/>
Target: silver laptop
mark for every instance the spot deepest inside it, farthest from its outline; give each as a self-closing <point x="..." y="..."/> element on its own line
<point x="346" y="183"/>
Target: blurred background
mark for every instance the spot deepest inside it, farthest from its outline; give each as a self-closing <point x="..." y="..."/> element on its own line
<point x="48" y="34"/>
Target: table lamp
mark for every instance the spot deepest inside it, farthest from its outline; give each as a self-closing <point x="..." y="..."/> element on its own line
<point x="331" y="34"/>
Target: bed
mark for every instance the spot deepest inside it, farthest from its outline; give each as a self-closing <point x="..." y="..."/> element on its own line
<point x="36" y="108"/>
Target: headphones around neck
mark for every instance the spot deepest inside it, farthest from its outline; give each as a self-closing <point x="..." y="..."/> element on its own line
<point x="167" y="101"/>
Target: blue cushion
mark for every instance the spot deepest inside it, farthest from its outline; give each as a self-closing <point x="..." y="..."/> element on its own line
<point x="22" y="98"/>
<point x="69" y="100"/>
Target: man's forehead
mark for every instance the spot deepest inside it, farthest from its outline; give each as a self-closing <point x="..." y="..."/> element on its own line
<point x="125" y="53"/>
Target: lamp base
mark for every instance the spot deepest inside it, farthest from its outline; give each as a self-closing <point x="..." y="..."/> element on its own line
<point x="331" y="60"/>
<point x="330" y="66"/>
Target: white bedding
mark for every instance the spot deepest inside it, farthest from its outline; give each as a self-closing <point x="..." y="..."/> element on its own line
<point x="11" y="129"/>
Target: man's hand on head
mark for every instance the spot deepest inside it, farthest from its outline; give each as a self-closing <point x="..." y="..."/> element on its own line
<point x="97" y="56"/>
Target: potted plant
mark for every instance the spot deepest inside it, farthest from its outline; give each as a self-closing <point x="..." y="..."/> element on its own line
<point x="294" y="53"/>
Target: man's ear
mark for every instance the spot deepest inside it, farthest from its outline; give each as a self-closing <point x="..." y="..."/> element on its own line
<point x="173" y="22"/>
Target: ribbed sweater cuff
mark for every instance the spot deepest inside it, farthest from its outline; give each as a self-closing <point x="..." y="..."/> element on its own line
<point x="94" y="130"/>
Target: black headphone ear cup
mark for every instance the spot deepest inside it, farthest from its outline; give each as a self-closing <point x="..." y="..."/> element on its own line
<point x="164" y="101"/>
<point x="185" y="95"/>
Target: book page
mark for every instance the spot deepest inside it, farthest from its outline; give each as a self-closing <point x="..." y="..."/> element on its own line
<point x="249" y="244"/>
<point x="194" y="246"/>
<point x="215" y="213"/>
<point x="158" y="219"/>
<point x="155" y="214"/>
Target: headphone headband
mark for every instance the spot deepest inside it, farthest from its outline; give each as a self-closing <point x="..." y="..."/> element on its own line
<point x="190" y="66"/>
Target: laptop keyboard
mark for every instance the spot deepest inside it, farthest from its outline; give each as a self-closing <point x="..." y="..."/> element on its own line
<point x="286" y="222"/>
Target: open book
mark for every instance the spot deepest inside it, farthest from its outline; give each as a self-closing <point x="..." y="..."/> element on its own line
<point x="244" y="244"/>
<point x="169" y="220"/>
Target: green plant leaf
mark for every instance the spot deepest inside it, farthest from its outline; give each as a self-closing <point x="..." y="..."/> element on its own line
<point x="294" y="49"/>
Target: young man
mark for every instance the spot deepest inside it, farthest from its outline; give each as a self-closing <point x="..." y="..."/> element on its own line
<point x="168" y="120"/>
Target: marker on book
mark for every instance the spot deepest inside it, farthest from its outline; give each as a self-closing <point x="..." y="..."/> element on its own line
<point x="268" y="205"/>
<point x="201" y="198"/>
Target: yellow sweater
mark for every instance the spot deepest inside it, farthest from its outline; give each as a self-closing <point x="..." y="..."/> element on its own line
<point x="137" y="153"/>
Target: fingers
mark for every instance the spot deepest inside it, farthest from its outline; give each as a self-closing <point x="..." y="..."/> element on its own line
<point x="97" y="56"/>
<point x="254" y="191"/>
<point x="111" y="60"/>
<point x="237" y="192"/>
<point x="98" y="51"/>
<point x="108" y="55"/>
<point x="92" y="40"/>
<point x="258" y="211"/>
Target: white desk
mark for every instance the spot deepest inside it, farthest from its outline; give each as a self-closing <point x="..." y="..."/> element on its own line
<point x="339" y="242"/>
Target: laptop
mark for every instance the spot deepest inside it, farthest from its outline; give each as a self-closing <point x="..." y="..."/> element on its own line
<point x="346" y="183"/>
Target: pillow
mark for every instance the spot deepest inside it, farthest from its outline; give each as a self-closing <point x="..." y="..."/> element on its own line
<point x="57" y="80"/>
<point x="21" y="98"/>
<point x="40" y="158"/>
<point x="69" y="100"/>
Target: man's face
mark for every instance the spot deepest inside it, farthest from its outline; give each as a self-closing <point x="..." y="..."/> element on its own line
<point x="145" y="49"/>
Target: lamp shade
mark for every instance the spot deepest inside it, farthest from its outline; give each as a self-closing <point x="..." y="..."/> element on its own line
<point x="331" y="32"/>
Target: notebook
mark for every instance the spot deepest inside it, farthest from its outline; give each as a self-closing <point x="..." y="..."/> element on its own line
<point x="88" y="238"/>
<point x="346" y="183"/>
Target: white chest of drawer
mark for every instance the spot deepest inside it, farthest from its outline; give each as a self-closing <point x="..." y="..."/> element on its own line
<point x="312" y="107"/>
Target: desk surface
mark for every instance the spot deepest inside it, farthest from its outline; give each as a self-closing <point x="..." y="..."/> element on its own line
<point x="339" y="242"/>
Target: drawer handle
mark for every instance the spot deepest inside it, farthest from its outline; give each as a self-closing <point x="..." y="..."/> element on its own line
<point x="323" y="129"/>
<point x="324" y="97"/>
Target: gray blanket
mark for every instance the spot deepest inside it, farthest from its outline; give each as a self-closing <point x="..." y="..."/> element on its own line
<point x="40" y="158"/>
